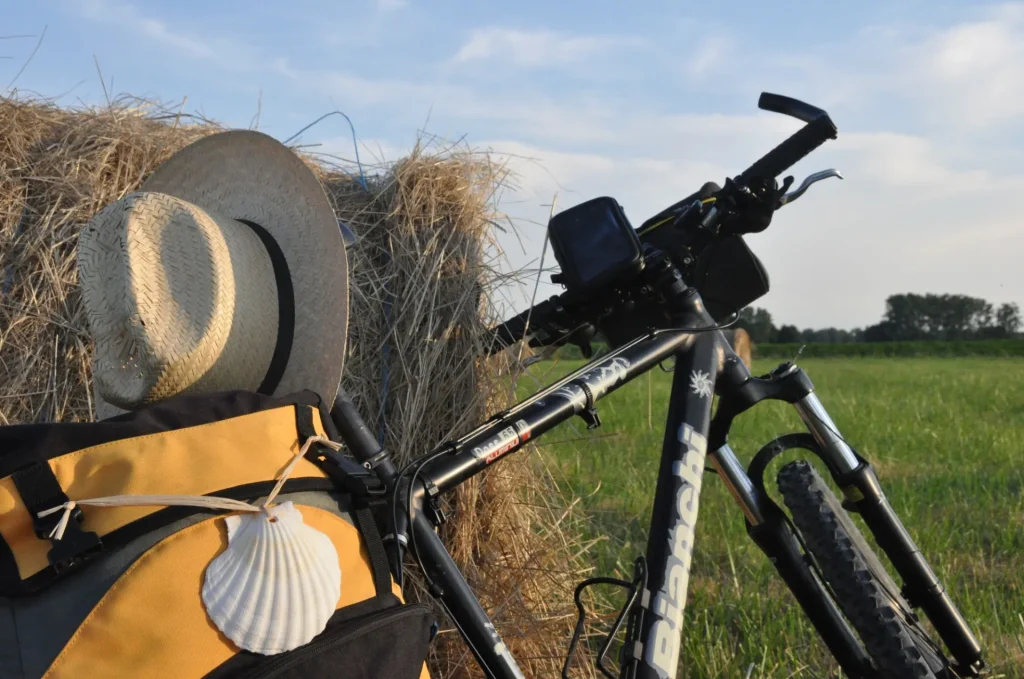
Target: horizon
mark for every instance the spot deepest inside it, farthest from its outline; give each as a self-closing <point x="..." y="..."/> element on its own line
<point x="645" y="106"/>
<point x="882" y="317"/>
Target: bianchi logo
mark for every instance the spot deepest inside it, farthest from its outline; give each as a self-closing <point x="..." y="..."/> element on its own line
<point x="700" y="383"/>
<point x="661" y="648"/>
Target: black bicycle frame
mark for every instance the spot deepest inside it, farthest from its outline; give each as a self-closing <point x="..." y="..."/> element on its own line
<point x="698" y="360"/>
<point x="702" y="359"/>
<point x="704" y="364"/>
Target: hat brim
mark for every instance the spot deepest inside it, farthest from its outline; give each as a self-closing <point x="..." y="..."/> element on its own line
<point x="248" y="175"/>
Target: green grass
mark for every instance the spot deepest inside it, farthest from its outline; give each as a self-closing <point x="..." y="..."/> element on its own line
<point x="947" y="440"/>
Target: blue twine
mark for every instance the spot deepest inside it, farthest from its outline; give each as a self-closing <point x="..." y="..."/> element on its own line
<point x="355" y="143"/>
<point x="386" y="349"/>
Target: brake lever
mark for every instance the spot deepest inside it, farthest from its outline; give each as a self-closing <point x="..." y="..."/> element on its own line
<point x="787" y="198"/>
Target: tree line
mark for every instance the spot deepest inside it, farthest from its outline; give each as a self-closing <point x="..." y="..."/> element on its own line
<point x="907" y="317"/>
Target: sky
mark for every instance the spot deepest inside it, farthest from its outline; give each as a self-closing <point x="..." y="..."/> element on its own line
<point x="644" y="102"/>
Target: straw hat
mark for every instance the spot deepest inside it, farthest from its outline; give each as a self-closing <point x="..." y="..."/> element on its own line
<point x="226" y="270"/>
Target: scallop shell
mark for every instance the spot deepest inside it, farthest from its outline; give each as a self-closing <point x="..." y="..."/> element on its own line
<point x="277" y="583"/>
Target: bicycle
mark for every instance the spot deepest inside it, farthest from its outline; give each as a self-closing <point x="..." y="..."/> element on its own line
<point x="661" y="292"/>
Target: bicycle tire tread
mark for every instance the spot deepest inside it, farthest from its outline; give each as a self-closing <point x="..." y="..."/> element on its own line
<point x="861" y="597"/>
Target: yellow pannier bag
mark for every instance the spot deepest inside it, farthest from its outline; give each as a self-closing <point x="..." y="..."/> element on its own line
<point x="117" y="591"/>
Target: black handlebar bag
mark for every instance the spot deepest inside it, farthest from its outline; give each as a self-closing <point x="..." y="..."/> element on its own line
<point x="124" y="590"/>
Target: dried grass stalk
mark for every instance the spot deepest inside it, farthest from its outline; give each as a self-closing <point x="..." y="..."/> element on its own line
<point x="420" y="280"/>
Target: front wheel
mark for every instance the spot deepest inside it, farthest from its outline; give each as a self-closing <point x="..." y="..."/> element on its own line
<point x="869" y="598"/>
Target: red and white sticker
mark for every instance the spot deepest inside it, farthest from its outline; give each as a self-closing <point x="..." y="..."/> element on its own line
<point x="507" y="439"/>
<point x="524" y="431"/>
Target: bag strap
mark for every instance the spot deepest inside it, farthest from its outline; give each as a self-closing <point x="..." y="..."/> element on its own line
<point x="40" y="490"/>
<point x="367" y="525"/>
<point x="363" y="485"/>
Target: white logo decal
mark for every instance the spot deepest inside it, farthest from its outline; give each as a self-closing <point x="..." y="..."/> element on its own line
<point x="600" y="380"/>
<point x="614" y="369"/>
<point x="661" y="650"/>
<point x="573" y="394"/>
<point x="700" y="383"/>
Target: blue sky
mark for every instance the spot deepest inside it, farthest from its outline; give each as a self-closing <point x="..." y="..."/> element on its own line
<point x="644" y="102"/>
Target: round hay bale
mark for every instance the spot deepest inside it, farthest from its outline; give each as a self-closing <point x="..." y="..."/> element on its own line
<point x="739" y="340"/>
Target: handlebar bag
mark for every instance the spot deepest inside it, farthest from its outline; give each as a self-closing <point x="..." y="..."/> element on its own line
<point x="119" y="594"/>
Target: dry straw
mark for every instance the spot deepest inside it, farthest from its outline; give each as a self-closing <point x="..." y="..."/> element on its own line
<point x="421" y="277"/>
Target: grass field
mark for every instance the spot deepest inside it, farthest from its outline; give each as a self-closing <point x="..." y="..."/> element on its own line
<point x="947" y="439"/>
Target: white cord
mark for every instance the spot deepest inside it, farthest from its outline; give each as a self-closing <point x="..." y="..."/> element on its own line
<point x="201" y="501"/>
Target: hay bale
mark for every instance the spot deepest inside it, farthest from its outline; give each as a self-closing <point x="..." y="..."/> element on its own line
<point x="57" y="168"/>
<point x="420" y="280"/>
<point x="739" y="340"/>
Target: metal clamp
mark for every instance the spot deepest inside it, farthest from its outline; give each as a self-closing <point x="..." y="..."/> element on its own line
<point x="589" y="412"/>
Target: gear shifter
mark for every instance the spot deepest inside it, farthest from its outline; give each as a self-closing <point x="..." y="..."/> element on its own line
<point x="811" y="179"/>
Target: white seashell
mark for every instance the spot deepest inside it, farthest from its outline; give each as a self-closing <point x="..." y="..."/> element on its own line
<point x="277" y="583"/>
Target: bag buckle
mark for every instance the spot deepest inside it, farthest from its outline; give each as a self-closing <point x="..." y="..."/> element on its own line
<point x="349" y="474"/>
<point x="75" y="547"/>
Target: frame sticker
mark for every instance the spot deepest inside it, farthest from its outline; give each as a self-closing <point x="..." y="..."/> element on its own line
<point x="661" y="648"/>
<point x="700" y="383"/>
<point x="505" y="441"/>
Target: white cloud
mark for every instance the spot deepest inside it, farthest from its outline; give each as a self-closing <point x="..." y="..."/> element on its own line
<point x="902" y="220"/>
<point x="928" y="211"/>
<point x="976" y="68"/>
<point x="961" y="78"/>
<point x="129" y="16"/>
<point x="536" y="48"/>
<point x="532" y="115"/>
<point x="917" y="163"/>
<point x="709" y="55"/>
<point x="227" y="53"/>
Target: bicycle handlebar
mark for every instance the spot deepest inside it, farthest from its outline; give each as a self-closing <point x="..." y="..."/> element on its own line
<point x="514" y="329"/>
<point x="801" y="110"/>
<point x="547" y="323"/>
<point x="787" y="154"/>
<point x="818" y="129"/>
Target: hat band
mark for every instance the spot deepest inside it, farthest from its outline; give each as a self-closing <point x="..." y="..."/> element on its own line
<point x="285" y="310"/>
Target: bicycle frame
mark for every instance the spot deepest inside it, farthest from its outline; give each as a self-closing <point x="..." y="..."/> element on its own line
<point x="704" y="364"/>
<point x="699" y="358"/>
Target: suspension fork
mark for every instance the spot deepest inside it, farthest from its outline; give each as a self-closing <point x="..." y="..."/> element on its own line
<point x="767" y="526"/>
<point x="860" y="485"/>
<point x="864" y="495"/>
<point x="922" y="587"/>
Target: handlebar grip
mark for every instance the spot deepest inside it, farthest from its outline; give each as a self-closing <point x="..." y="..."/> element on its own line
<point x="553" y="322"/>
<point x="788" y="153"/>
<point x="515" y="329"/>
<point x="508" y="333"/>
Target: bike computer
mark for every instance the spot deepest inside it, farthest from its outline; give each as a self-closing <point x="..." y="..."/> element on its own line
<point x="595" y="245"/>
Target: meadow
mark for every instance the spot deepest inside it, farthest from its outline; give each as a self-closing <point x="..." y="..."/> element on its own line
<point x="946" y="437"/>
